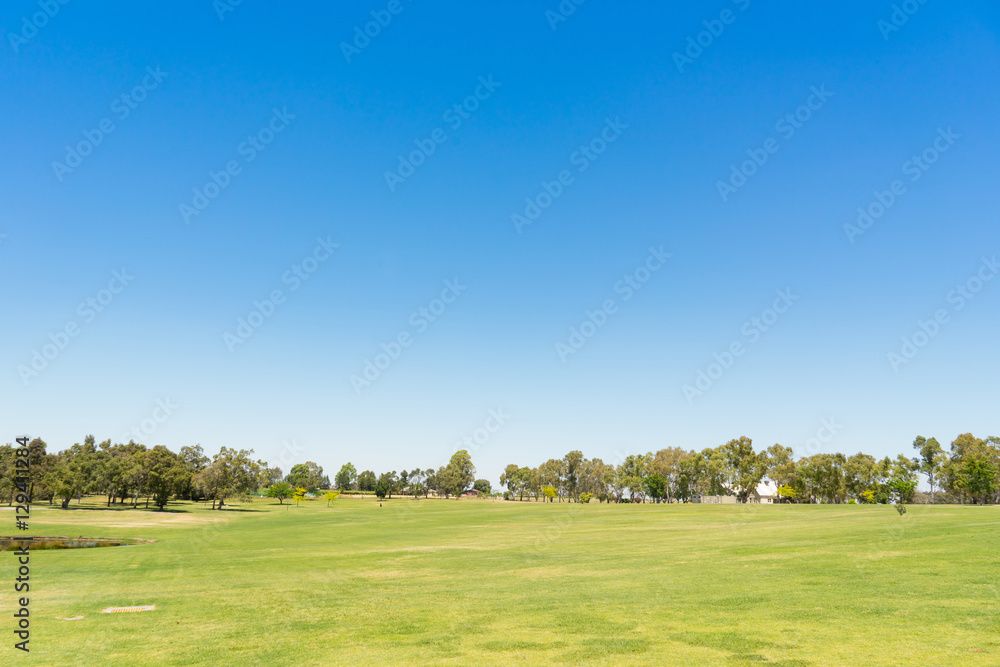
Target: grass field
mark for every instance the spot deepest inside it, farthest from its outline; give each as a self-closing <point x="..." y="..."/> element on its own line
<point x="477" y="582"/>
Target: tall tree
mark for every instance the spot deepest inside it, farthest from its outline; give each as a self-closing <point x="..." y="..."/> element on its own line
<point x="633" y="472"/>
<point x="459" y="473"/>
<point x="508" y="478"/>
<point x="745" y="468"/>
<point x="931" y="459"/>
<point x="194" y="460"/>
<point x="231" y="473"/>
<point x="367" y="481"/>
<point x="347" y="477"/>
<point x="167" y="475"/>
<point x="389" y="482"/>
<point x="308" y="475"/>
<point x="572" y="465"/>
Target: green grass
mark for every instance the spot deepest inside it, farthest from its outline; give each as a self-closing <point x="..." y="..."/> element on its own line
<point x="480" y="582"/>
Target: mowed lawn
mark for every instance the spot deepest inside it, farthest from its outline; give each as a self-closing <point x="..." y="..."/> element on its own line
<point x="477" y="582"/>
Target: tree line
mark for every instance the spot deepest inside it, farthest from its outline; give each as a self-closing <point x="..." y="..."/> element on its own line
<point x="127" y="474"/>
<point x="968" y="473"/>
<point x="449" y="480"/>
<point x="132" y="473"/>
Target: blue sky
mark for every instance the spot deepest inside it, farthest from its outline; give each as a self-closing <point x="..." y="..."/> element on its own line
<point x="336" y="124"/>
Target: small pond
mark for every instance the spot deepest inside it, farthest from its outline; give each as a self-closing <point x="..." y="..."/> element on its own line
<point x="41" y="542"/>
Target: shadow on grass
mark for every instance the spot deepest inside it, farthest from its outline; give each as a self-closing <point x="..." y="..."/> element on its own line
<point x="741" y="648"/>
<point x="119" y="508"/>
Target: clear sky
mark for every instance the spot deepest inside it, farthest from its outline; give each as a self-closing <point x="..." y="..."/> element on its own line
<point x="247" y="140"/>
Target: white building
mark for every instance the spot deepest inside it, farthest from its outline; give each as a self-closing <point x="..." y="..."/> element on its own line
<point x="766" y="493"/>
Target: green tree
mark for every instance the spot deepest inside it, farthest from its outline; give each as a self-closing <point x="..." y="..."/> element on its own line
<point x="194" y="460"/>
<point x="280" y="490"/>
<point x="656" y="487"/>
<point x="389" y="482"/>
<point x="553" y="474"/>
<point x="308" y="475"/>
<point x="231" y="473"/>
<point x="861" y="473"/>
<point x="633" y="473"/>
<point x="459" y="473"/>
<point x="744" y="467"/>
<point x="367" y="481"/>
<point x="781" y="468"/>
<point x="167" y="475"/>
<point x="689" y="473"/>
<point x="931" y="460"/>
<point x="347" y="477"/>
<point x="979" y="478"/>
<point x="416" y="479"/>
<point x="573" y="464"/>
<point x="513" y="479"/>
<point x="904" y="478"/>
<point x="667" y="464"/>
<point x="431" y="481"/>
<point x="483" y="486"/>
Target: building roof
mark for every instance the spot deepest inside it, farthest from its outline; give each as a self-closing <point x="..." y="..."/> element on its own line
<point x="765" y="489"/>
